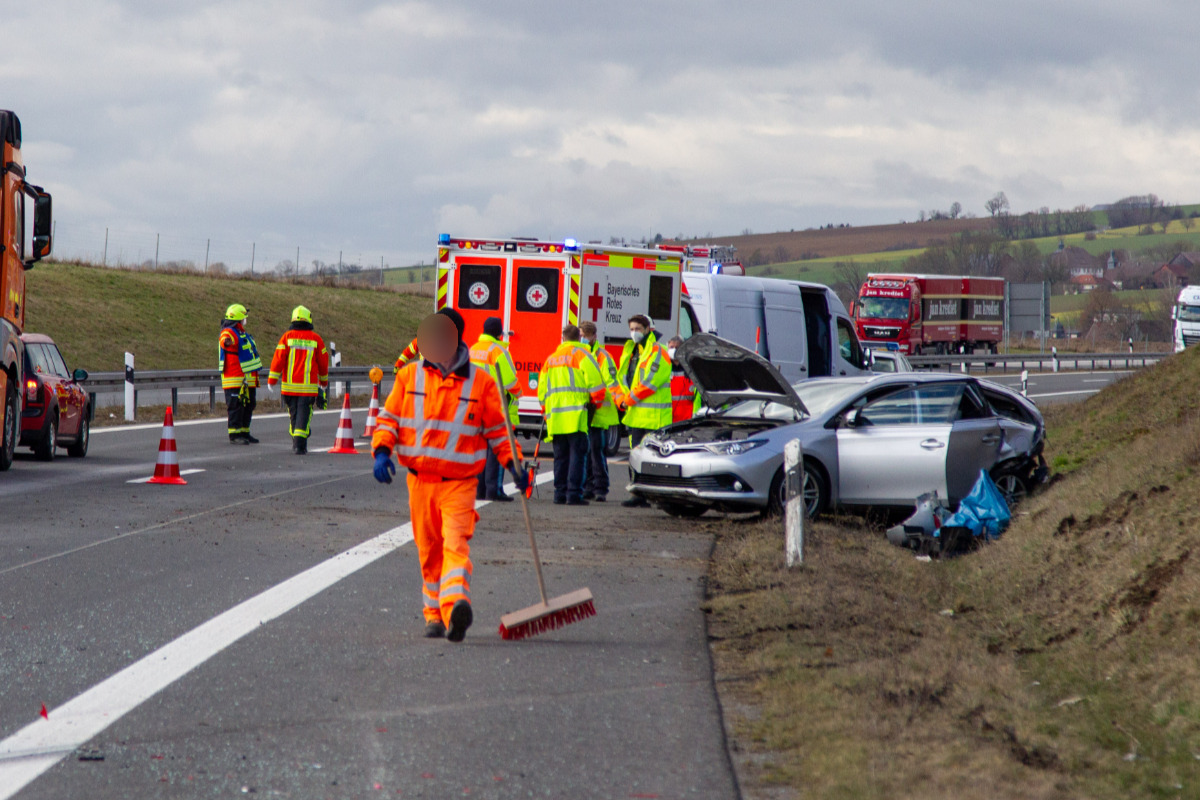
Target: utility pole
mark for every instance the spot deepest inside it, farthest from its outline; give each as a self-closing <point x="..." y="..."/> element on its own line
<point x="207" y="244"/>
<point x="253" y="246"/>
<point x="156" y="238"/>
<point x="105" y="261"/>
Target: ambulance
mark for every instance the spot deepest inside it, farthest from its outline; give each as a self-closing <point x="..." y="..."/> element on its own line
<point x="714" y="259"/>
<point x="538" y="287"/>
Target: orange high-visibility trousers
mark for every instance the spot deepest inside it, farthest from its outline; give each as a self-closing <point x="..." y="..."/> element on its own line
<point x="443" y="520"/>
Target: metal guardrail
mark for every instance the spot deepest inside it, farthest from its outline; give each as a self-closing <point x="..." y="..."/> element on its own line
<point x="176" y="379"/>
<point x="1044" y="361"/>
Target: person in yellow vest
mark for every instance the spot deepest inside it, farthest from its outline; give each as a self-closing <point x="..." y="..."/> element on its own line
<point x="239" y="365"/>
<point x="645" y="377"/>
<point x="595" y="474"/>
<point x="492" y="354"/>
<point x="301" y="365"/>
<point x="570" y="389"/>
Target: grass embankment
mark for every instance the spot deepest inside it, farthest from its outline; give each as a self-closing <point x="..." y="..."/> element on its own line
<point x="1059" y="662"/>
<point x="171" y="320"/>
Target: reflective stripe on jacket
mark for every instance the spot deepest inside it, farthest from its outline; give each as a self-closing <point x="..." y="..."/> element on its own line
<point x="570" y="380"/>
<point x="239" y="358"/>
<point x="647" y="384"/>
<point x="442" y="426"/>
<point x="410" y="353"/>
<point x="606" y="415"/>
<point x="301" y="362"/>
<point x="492" y="354"/>
<point x="683" y="398"/>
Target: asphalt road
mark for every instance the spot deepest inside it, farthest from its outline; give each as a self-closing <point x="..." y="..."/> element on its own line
<point x="258" y="631"/>
<point x="1060" y="387"/>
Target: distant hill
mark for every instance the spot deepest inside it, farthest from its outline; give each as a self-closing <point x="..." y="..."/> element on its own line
<point x="787" y="246"/>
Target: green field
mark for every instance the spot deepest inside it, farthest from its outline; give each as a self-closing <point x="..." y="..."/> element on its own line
<point x="171" y="321"/>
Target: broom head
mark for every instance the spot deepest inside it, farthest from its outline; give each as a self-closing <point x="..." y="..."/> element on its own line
<point x="551" y="615"/>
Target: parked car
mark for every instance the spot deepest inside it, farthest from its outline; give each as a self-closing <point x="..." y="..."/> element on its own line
<point x="55" y="409"/>
<point x="887" y="361"/>
<point x="874" y="440"/>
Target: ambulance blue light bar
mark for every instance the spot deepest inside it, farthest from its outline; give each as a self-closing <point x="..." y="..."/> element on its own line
<point x="443" y="238"/>
<point x="570" y="244"/>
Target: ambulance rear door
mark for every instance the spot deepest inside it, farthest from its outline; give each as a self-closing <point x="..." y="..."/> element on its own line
<point x="535" y="307"/>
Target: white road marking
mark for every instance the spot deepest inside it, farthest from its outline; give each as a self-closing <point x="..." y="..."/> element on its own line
<point x="1061" y="394"/>
<point x="43" y="743"/>
<point x="182" y="472"/>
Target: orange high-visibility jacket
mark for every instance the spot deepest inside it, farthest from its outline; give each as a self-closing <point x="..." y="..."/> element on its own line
<point x="683" y="398"/>
<point x="410" y="353"/>
<point x="443" y="426"/>
<point x="301" y="361"/>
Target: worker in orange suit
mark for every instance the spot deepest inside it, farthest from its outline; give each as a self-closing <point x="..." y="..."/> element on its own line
<point x="442" y="415"/>
<point x="683" y="392"/>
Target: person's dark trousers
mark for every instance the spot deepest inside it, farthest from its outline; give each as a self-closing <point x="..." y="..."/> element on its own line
<point x="570" y="453"/>
<point x="636" y="435"/>
<point x="490" y="480"/>
<point x="300" y="410"/>
<point x="595" y="475"/>
<point x="239" y="413"/>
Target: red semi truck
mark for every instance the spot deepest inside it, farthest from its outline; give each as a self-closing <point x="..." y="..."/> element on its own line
<point x="926" y="314"/>
<point x="25" y="229"/>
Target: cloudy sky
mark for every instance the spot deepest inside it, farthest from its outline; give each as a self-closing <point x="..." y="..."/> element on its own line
<point x="367" y="128"/>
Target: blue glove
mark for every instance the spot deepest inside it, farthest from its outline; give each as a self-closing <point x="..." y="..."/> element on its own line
<point x="384" y="468"/>
<point x="520" y="477"/>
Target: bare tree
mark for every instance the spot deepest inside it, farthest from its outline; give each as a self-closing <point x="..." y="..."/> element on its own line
<point x="849" y="277"/>
<point x="782" y="255"/>
<point x="997" y="204"/>
<point x="955" y="209"/>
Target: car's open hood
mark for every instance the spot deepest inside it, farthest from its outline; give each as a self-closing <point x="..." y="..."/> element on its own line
<point x="726" y="372"/>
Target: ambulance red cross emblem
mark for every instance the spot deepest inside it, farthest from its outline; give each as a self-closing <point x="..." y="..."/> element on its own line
<point x="479" y="293"/>
<point x="537" y="296"/>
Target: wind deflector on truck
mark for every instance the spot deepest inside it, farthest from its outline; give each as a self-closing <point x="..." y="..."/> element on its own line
<point x="10" y="128"/>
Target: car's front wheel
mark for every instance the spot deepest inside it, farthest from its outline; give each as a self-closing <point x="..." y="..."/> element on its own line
<point x="682" y="510"/>
<point x="814" y="491"/>
<point x="45" y="449"/>
<point x="1013" y="486"/>
<point x="80" y="447"/>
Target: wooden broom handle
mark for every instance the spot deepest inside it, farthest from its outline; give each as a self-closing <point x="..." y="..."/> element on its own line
<point x="512" y="444"/>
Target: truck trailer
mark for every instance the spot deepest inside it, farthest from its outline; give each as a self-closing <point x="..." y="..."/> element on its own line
<point x="930" y="314"/>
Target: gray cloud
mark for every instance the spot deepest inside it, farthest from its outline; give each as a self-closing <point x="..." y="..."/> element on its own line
<point x="367" y="127"/>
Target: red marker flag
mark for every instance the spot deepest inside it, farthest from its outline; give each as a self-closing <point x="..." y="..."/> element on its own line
<point x="45" y="714"/>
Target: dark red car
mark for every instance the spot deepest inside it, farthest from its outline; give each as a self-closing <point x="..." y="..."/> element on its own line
<point x="55" y="410"/>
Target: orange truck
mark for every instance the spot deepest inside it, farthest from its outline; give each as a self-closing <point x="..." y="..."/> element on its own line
<point x="25" y="232"/>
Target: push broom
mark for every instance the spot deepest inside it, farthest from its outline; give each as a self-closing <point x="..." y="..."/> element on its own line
<point x="552" y="613"/>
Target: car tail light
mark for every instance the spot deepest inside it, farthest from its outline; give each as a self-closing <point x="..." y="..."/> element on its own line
<point x="31" y="390"/>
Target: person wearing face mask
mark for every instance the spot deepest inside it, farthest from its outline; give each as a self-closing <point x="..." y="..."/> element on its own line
<point x="645" y="377"/>
<point x="595" y="474"/>
<point x="683" y="394"/>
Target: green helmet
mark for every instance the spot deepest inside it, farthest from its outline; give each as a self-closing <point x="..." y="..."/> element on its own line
<point x="236" y="312"/>
<point x="301" y="314"/>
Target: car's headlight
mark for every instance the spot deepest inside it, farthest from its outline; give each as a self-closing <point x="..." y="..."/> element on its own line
<point x="734" y="448"/>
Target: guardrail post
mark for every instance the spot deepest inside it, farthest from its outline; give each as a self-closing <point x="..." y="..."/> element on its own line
<point x="174" y="398"/>
<point x="212" y="399"/>
<point x="794" y="510"/>
<point x="130" y="391"/>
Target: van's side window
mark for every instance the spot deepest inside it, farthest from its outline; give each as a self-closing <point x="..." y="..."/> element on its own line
<point x="848" y="344"/>
<point x="688" y="327"/>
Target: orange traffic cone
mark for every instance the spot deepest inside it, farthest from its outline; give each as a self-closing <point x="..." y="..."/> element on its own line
<point x="344" y="441"/>
<point x="372" y="413"/>
<point x="167" y="468"/>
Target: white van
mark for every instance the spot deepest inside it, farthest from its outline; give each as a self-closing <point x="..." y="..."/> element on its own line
<point x="801" y="328"/>
<point x="1186" y="314"/>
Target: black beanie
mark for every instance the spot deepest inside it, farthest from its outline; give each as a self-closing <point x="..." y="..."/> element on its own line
<point x="494" y="327"/>
<point x="456" y="318"/>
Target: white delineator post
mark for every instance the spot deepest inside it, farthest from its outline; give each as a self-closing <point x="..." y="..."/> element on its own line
<point x="335" y="360"/>
<point x="1025" y="382"/>
<point x="130" y="396"/>
<point x="793" y="481"/>
<point x="1054" y="352"/>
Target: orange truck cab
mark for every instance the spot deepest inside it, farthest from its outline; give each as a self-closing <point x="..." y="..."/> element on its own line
<point x="25" y="231"/>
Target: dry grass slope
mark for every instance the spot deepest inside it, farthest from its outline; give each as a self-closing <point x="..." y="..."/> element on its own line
<point x="1059" y="662"/>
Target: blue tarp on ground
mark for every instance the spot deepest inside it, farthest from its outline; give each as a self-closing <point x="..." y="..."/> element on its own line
<point x="984" y="510"/>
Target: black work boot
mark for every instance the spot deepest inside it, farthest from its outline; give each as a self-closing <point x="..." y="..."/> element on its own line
<point x="300" y="445"/>
<point x="435" y="629"/>
<point x="461" y="617"/>
<point x="238" y="438"/>
<point x="250" y="439"/>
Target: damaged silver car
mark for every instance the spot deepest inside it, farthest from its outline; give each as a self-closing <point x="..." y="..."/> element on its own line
<point x="877" y="440"/>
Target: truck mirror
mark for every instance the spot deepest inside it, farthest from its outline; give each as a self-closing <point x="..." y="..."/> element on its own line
<point x="43" y="225"/>
<point x="79" y="375"/>
<point x="854" y="309"/>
